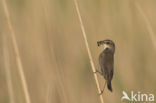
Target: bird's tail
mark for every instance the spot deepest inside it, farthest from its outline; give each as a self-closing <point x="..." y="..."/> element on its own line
<point x="109" y="85"/>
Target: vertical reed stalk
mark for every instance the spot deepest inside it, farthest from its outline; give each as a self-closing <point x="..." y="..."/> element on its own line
<point x="48" y="94"/>
<point x="59" y="78"/>
<point x="148" y="24"/>
<point x="88" y="49"/>
<point x="7" y="70"/>
<point x="16" y="50"/>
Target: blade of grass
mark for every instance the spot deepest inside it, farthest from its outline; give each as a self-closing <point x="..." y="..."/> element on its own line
<point x="88" y="49"/>
<point x="16" y="50"/>
<point x="59" y="78"/>
<point x="49" y="94"/>
<point x="7" y="70"/>
<point x="148" y="25"/>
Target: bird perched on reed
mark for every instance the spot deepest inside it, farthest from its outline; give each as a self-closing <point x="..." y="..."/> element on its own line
<point x="106" y="62"/>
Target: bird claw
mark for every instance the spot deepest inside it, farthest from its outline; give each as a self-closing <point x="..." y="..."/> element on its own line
<point x="101" y="92"/>
<point x="95" y="71"/>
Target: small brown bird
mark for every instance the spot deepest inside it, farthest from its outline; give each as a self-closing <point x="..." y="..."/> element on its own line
<point x="106" y="61"/>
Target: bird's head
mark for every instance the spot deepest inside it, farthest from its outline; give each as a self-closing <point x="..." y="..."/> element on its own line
<point x="108" y="45"/>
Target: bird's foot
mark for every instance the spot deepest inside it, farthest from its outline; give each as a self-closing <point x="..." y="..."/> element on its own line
<point x="95" y="71"/>
<point x="101" y="92"/>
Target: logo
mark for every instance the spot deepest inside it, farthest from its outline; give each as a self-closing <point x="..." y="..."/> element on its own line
<point x="137" y="96"/>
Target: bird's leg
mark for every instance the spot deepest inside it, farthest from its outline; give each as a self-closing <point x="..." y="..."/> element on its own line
<point x="97" y="71"/>
<point x="103" y="89"/>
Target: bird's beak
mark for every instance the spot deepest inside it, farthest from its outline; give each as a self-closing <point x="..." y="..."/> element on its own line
<point x="98" y="43"/>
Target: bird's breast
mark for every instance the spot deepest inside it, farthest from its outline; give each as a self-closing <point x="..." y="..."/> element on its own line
<point x="106" y="59"/>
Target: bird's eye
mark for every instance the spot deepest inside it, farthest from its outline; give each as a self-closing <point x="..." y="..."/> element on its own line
<point x="107" y="42"/>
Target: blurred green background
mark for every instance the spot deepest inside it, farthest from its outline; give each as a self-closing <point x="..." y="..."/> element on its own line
<point x="54" y="56"/>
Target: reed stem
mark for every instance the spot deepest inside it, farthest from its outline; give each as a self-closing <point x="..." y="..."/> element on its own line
<point x="16" y="50"/>
<point x="88" y="50"/>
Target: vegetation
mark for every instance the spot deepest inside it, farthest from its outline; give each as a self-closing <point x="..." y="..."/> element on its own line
<point x="46" y="61"/>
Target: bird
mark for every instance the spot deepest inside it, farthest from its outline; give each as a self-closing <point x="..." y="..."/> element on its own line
<point x="106" y="62"/>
